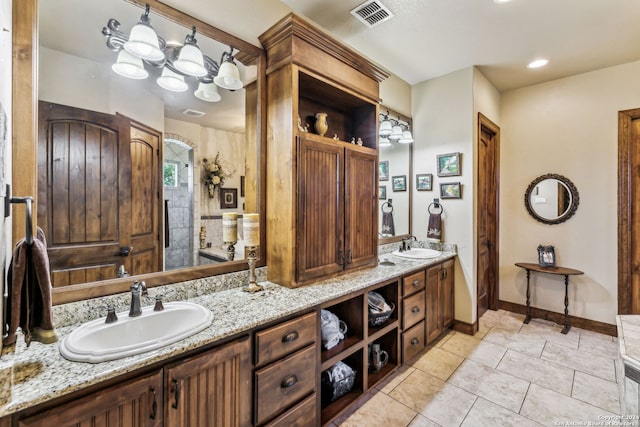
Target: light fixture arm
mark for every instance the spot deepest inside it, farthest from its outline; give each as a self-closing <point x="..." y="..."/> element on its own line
<point x="116" y="38"/>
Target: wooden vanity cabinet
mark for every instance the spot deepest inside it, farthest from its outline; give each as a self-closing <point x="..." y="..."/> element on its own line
<point x="210" y="389"/>
<point x="206" y="390"/>
<point x="321" y="192"/>
<point x="134" y="403"/>
<point x="440" y="299"/>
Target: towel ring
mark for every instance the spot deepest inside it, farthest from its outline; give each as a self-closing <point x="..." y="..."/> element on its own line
<point x="384" y="205"/>
<point x="436" y="206"/>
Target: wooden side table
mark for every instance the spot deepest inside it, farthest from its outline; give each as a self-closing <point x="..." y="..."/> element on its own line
<point x="561" y="271"/>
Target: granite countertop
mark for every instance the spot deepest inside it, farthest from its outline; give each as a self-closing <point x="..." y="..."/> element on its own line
<point x="629" y="340"/>
<point x="39" y="373"/>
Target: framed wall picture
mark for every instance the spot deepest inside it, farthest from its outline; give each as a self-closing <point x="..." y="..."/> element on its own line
<point x="382" y="192"/>
<point x="424" y="182"/>
<point x="228" y="198"/>
<point x="383" y="171"/>
<point x="241" y="185"/>
<point x="449" y="164"/>
<point x="450" y="190"/>
<point x="399" y="183"/>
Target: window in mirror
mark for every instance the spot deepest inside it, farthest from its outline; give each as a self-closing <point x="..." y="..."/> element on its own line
<point x="551" y="199"/>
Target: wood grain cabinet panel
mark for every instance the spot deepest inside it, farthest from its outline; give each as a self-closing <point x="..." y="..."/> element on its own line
<point x="440" y="299"/>
<point x="134" y="403"/>
<point x="413" y="341"/>
<point x="285" y="338"/>
<point x="211" y="389"/>
<point x="301" y="415"/>
<point x="413" y="283"/>
<point x="281" y="384"/>
<point x="413" y="309"/>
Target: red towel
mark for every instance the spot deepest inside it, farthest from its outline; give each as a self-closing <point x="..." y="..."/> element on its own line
<point x="29" y="293"/>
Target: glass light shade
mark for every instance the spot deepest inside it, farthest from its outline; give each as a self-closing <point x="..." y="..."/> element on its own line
<point x="385" y="128"/>
<point x="207" y="92"/>
<point x="129" y="66"/>
<point x="406" y="138"/>
<point x="172" y="81"/>
<point x="384" y="142"/>
<point x="396" y="134"/>
<point x="143" y="43"/>
<point x="190" y="61"/>
<point x="228" y="76"/>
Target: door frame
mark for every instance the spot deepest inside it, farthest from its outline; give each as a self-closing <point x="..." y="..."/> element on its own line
<point x="628" y="297"/>
<point x="493" y="289"/>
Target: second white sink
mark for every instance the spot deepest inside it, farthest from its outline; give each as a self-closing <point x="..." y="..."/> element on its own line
<point x="97" y="341"/>
<point x="418" y="253"/>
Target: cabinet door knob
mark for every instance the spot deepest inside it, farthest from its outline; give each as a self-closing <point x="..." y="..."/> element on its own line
<point x="415" y="341"/>
<point x="416" y="283"/>
<point x="288" y="381"/>
<point x="290" y="336"/>
<point x="415" y="309"/>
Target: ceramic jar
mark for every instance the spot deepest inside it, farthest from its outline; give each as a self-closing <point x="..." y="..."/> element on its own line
<point x="321" y="126"/>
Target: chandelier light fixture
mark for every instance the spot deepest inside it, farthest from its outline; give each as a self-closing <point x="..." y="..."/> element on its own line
<point x="393" y="130"/>
<point x="143" y="50"/>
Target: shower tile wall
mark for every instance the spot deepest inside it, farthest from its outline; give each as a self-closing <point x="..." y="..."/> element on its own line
<point x="179" y="252"/>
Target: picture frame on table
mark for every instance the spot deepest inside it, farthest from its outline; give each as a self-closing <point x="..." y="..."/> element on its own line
<point x="546" y="256"/>
<point x="424" y="182"/>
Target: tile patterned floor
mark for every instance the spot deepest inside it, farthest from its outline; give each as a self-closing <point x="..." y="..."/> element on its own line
<point x="508" y="374"/>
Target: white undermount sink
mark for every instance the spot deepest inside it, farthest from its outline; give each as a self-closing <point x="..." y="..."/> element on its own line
<point x="418" y="253"/>
<point x="97" y="341"/>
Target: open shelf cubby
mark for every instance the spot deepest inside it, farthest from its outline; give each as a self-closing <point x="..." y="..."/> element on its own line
<point x="391" y="295"/>
<point x="389" y="343"/>
<point x="348" y="115"/>
<point x="349" y="311"/>
<point x="330" y="410"/>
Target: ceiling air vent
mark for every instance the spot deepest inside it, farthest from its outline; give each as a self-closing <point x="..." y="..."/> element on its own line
<point x="193" y="113"/>
<point x="372" y="13"/>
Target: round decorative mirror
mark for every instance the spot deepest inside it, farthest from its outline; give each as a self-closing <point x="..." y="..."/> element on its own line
<point x="551" y="199"/>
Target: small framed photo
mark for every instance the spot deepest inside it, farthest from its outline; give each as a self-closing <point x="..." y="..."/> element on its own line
<point x="241" y="185"/>
<point x="228" y="198"/>
<point x="399" y="183"/>
<point x="451" y="190"/>
<point x="449" y="164"/>
<point x="383" y="171"/>
<point x="546" y="256"/>
<point x="424" y="182"/>
<point x="382" y="192"/>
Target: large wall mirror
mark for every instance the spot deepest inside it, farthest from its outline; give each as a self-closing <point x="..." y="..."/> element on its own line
<point x="551" y="199"/>
<point x="174" y="205"/>
<point x="395" y="183"/>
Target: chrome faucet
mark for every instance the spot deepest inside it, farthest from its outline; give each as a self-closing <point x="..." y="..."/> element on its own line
<point x="137" y="289"/>
<point x="406" y="243"/>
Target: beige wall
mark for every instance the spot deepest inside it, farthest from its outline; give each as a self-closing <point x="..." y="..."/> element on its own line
<point x="442" y="110"/>
<point x="567" y="126"/>
<point x="396" y="94"/>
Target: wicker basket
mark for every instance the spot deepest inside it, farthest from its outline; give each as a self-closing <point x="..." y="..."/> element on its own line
<point x="378" y="319"/>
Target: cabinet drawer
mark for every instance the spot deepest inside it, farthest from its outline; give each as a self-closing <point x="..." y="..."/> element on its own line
<point x="301" y="415"/>
<point x="283" y="383"/>
<point x="285" y="338"/>
<point x="413" y="283"/>
<point x="413" y="309"/>
<point x="412" y="341"/>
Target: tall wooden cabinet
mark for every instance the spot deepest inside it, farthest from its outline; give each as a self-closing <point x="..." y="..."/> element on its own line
<point x="321" y="189"/>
